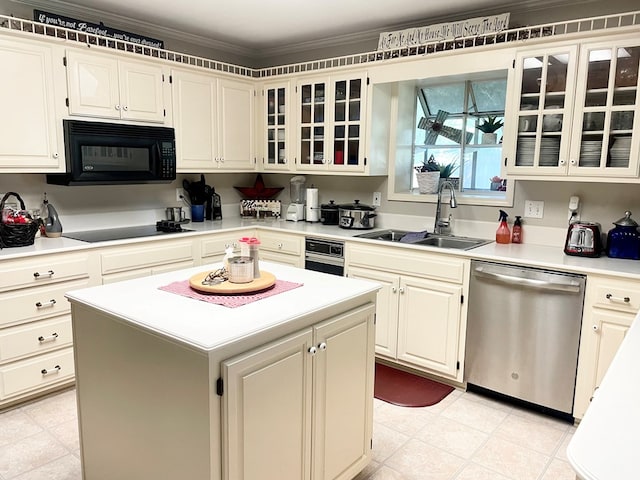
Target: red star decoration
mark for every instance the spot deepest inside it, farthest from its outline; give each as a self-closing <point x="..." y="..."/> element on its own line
<point x="259" y="191"/>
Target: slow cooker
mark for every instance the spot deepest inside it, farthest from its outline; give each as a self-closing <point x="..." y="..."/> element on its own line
<point x="357" y="215"/>
<point x="329" y="213"/>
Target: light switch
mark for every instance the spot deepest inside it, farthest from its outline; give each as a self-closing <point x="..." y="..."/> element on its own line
<point x="533" y="208"/>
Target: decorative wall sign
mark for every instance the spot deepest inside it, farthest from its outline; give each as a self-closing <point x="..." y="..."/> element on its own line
<point x="95" y="29"/>
<point x="473" y="27"/>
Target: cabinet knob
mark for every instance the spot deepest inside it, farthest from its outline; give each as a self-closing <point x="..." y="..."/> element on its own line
<point x="618" y="299"/>
<point x="118" y="107"/>
<point x="280" y="246"/>
<point x="56" y="155"/>
<point x="125" y="108"/>
<point x="394" y="289"/>
<point x="595" y="328"/>
<point x="313" y="350"/>
<point x="401" y="289"/>
<point x="322" y="346"/>
<point x="573" y="161"/>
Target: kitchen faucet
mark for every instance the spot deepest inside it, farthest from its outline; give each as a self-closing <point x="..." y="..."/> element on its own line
<point x="444" y="226"/>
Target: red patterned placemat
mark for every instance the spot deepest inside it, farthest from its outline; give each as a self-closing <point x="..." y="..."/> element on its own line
<point x="183" y="288"/>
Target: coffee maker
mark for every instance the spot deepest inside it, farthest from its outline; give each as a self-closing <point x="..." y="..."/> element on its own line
<point x="295" y="212"/>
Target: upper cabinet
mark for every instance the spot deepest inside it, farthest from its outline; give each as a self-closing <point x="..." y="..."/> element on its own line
<point x="31" y="138"/>
<point x="213" y="119"/>
<point x="331" y="123"/>
<point x="277" y="151"/>
<point x="107" y="87"/>
<point x="576" y="109"/>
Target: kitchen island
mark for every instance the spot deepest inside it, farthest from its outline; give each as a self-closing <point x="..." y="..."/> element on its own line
<point x="173" y="387"/>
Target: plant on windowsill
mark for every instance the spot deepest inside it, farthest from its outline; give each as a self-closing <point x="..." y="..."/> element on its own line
<point x="445" y="174"/>
<point x="428" y="175"/>
<point x="488" y="128"/>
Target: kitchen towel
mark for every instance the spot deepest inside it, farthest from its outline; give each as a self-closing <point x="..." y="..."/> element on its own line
<point x="232" y="301"/>
<point x="413" y="236"/>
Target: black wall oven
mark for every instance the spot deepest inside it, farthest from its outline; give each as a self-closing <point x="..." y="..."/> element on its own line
<point x="98" y="153"/>
<point x="323" y="255"/>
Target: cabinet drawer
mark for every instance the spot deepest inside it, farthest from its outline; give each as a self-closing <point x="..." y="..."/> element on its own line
<point x="35" y="373"/>
<point x="620" y="295"/>
<point x="36" y="303"/>
<point x="422" y="264"/>
<point x="42" y="270"/>
<point x="34" y="338"/>
<point x="132" y="258"/>
<point x="216" y="246"/>
<point x="291" y="244"/>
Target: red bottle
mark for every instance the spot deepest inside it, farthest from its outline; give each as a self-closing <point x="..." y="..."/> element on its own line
<point x="503" y="234"/>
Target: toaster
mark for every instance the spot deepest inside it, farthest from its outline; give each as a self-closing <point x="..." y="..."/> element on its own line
<point x="584" y="239"/>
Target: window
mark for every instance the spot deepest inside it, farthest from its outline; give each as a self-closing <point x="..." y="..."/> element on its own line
<point x="447" y="121"/>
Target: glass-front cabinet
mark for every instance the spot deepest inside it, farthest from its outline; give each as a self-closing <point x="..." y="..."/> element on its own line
<point x="544" y="105"/>
<point x="606" y="111"/>
<point x="577" y="107"/>
<point x="331" y="123"/>
<point x="277" y="144"/>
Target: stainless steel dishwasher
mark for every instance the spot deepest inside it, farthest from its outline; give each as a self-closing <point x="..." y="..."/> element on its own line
<point x="523" y="331"/>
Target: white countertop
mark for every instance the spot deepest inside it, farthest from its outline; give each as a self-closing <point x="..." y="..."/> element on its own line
<point x="208" y="326"/>
<point x="542" y="256"/>
<point x="605" y="445"/>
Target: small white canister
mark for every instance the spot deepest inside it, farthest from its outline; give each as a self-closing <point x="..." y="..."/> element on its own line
<point x="240" y="269"/>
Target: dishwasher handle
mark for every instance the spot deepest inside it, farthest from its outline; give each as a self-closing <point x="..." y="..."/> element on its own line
<point x="570" y="286"/>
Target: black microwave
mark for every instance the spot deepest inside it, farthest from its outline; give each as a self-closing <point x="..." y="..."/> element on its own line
<point x="109" y="154"/>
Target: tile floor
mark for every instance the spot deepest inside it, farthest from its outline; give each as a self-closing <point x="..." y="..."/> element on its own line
<point x="464" y="437"/>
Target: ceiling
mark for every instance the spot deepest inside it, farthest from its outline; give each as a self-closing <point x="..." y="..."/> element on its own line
<point x="265" y="25"/>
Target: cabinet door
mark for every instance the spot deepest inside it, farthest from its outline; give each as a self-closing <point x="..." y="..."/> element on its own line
<point x="141" y="92"/>
<point x="267" y="411"/>
<point x="93" y="85"/>
<point x="606" y="109"/>
<point x="236" y="149"/>
<point x="277" y="117"/>
<point x="29" y="138"/>
<point x="602" y="334"/>
<point x="347" y="147"/>
<point x="312" y="123"/>
<point x="429" y="324"/>
<point x="194" y="110"/>
<point x="343" y="370"/>
<point x="545" y="85"/>
<point x="386" y="309"/>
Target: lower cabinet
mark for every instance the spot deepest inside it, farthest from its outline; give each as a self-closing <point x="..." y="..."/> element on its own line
<point x="610" y="307"/>
<point x="301" y="407"/>
<point x="420" y="319"/>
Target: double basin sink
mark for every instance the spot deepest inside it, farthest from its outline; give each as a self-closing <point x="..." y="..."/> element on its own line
<point x="440" y="241"/>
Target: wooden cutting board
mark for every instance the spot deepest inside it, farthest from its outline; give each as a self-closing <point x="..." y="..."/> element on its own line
<point x="265" y="281"/>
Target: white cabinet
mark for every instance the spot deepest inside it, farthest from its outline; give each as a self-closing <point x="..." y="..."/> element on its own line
<point x="576" y="111"/>
<point x="420" y="319"/>
<point x="300" y="407"/>
<point x="36" y="353"/>
<point x="277" y="144"/>
<point x="109" y="87"/>
<point x="31" y="138"/>
<point x="282" y="248"/>
<point x="611" y="305"/>
<point x="331" y="123"/>
<point x="125" y="263"/>
<point x="213" y="119"/>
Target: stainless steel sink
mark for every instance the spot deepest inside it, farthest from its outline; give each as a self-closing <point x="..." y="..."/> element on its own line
<point x="439" y="241"/>
<point x="385" y="235"/>
<point x="459" y="243"/>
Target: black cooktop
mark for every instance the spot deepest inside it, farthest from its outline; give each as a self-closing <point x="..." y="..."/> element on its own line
<point x="104" y="235"/>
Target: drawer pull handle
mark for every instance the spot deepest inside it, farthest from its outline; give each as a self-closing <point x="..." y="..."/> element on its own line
<point x="46" y="372"/>
<point x="618" y="299"/>
<point x="50" y="303"/>
<point x="50" y="338"/>
<point x="38" y="275"/>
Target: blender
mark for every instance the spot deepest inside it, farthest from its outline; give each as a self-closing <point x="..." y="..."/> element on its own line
<point x="295" y="212"/>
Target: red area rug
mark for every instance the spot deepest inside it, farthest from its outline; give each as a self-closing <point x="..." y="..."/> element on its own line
<point x="407" y="390"/>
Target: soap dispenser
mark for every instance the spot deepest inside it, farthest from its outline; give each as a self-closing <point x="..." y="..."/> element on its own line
<point x="503" y="234"/>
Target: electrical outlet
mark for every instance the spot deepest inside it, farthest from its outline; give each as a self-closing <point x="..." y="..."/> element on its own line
<point x="376" y="199"/>
<point x="179" y="194"/>
<point x="533" y="209"/>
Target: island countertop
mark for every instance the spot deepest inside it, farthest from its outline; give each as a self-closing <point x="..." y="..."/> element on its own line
<point x="208" y="326"/>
